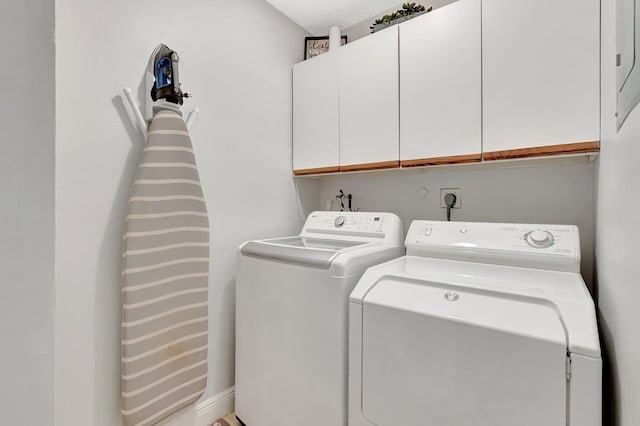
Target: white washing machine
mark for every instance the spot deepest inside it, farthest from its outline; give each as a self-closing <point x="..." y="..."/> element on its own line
<point x="292" y="297"/>
<point x="478" y="325"/>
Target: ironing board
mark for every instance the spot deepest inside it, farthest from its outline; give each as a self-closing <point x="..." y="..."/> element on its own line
<point x="165" y="279"/>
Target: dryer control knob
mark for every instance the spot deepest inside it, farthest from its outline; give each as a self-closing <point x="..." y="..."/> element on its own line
<point x="540" y="239"/>
<point x="339" y="221"/>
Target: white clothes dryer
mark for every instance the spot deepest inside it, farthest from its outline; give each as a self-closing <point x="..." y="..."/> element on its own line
<point x="478" y="325"/>
<point x="292" y="298"/>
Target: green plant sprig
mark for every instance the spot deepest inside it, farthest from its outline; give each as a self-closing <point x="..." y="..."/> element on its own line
<point x="408" y="9"/>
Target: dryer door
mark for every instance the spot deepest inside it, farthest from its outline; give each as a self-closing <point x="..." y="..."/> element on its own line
<point x="439" y="355"/>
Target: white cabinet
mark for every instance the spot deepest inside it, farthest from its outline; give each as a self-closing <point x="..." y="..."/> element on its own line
<point x="540" y="68"/>
<point x="440" y="86"/>
<point x="474" y="80"/>
<point x="316" y="136"/>
<point x="369" y="128"/>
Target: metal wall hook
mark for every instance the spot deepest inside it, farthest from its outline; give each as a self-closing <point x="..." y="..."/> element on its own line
<point x="138" y="118"/>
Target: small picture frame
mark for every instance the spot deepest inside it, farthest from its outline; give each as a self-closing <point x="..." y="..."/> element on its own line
<point x="314" y="46"/>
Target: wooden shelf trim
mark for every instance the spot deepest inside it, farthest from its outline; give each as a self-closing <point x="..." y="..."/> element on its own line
<point x="371" y="166"/>
<point x="316" y="171"/>
<point x="542" y="151"/>
<point x="437" y="161"/>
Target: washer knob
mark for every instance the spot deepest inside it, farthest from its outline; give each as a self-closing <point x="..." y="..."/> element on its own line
<point x="339" y="221"/>
<point x="540" y="239"/>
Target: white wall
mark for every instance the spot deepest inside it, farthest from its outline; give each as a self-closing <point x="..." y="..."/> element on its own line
<point x="559" y="191"/>
<point x="617" y="244"/>
<point x="236" y="61"/>
<point x="26" y="213"/>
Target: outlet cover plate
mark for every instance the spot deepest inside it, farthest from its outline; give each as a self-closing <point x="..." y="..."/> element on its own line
<point x="458" y="194"/>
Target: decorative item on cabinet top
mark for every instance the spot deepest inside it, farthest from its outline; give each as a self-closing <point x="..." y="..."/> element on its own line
<point x="408" y="11"/>
<point x="314" y="46"/>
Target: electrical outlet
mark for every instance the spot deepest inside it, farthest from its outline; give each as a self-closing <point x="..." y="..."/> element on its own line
<point x="456" y="191"/>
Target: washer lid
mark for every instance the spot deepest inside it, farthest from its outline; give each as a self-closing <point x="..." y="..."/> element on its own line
<point x="510" y="314"/>
<point x="304" y="250"/>
<point x="563" y="293"/>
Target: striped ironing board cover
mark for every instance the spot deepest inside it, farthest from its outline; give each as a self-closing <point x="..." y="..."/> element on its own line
<point x="165" y="279"/>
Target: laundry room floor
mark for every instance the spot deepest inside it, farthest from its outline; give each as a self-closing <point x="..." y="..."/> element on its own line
<point x="230" y="420"/>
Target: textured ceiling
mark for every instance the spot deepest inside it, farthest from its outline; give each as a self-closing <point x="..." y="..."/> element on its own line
<point x="317" y="16"/>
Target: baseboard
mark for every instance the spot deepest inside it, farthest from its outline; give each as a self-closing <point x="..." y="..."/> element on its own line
<point x="206" y="411"/>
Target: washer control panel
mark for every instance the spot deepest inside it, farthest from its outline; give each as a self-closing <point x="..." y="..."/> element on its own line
<point x="539" y="239"/>
<point x="365" y="226"/>
<point x="347" y="221"/>
<point x="488" y="241"/>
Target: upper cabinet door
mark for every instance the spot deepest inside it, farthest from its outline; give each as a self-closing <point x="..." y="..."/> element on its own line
<point x="540" y="65"/>
<point x="316" y="136"/>
<point x="440" y="86"/>
<point x="369" y="102"/>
